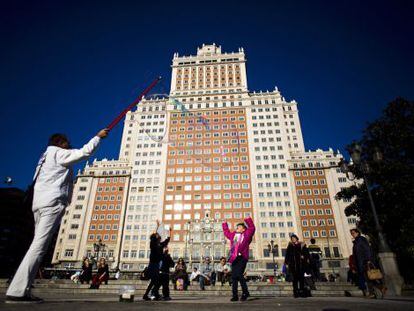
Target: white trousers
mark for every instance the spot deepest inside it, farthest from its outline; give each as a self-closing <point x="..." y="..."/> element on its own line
<point x="47" y="221"/>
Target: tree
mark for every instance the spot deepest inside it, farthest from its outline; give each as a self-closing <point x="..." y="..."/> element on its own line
<point x="391" y="182"/>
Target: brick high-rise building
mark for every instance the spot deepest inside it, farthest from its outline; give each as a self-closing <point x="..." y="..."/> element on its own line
<point x="209" y="151"/>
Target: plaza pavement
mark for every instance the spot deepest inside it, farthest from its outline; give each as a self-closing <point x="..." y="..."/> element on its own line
<point x="100" y="302"/>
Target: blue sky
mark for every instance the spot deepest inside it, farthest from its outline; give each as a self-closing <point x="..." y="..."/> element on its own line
<point x="69" y="66"/>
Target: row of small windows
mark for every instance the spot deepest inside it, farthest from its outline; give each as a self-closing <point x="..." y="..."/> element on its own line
<point x="104" y="216"/>
<point x="307" y="173"/>
<point x="155" y="180"/>
<point x="208" y="113"/>
<point x="130" y="227"/>
<point x="269" y="185"/>
<point x="106" y="189"/>
<point x="274" y="175"/>
<point x="311" y="212"/>
<point x="105" y="237"/>
<point x="280" y="224"/>
<point x="262" y="117"/>
<point x="272" y="204"/>
<point x="314" y="202"/>
<point x="315" y="234"/>
<point x="110" y="198"/>
<point x="152" y="108"/>
<point x="276" y="214"/>
<point x="149" y="171"/>
<point x="145" y="162"/>
<point x="211" y="121"/>
<point x="152" y="116"/>
<point x="153" y="130"/>
<point x="154" y="189"/>
<point x="207" y="160"/>
<point x="146" y="198"/>
<point x="171" y="188"/>
<point x="140" y="146"/>
<point x="154" y="123"/>
<point x="272" y="157"/>
<point x="207" y="187"/>
<point x="104" y="227"/>
<point x="268" y="167"/>
<point x="270" y="194"/>
<point x="207" y="169"/>
<point x="110" y="207"/>
<point x="310" y="191"/>
<point x="209" y="92"/>
<point x="143" y="218"/>
<point x="207" y="196"/>
<point x="274" y="235"/>
<point x="315" y="222"/>
<point x="308" y="182"/>
<point x="113" y="179"/>
<point x="222" y="151"/>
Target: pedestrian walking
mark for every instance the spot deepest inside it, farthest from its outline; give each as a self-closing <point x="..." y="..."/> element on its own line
<point x="362" y="257"/>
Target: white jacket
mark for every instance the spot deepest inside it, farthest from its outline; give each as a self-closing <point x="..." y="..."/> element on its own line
<point x="54" y="183"/>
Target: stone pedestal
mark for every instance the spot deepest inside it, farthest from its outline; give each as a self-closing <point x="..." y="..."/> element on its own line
<point x="393" y="279"/>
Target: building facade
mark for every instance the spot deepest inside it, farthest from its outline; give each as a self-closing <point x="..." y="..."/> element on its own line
<point x="207" y="152"/>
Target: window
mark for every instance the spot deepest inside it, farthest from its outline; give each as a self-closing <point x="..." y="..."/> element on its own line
<point x="68" y="252"/>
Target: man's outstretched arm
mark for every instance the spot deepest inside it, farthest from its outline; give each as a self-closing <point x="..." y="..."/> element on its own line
<point x="67" y="157"/>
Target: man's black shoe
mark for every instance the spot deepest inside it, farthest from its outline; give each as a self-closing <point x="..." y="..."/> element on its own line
<point x="24" y="299"/>
<point x="166" y="298"/>
<point x="234" y="299"/>
<point x="244" y="297"/>
<point x="146" y="298"/>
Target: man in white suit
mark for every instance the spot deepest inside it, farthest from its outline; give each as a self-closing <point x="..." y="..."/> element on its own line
<point x="52" y="194"/>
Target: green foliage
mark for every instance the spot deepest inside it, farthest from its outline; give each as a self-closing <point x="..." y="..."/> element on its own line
<point x="391" y="181"/>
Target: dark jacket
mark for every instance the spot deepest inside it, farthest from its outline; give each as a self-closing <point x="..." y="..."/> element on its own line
<point x="166" y="263"/>
<point x="297" y="257"/>
<point x="86" y="273"/>
<point x="157" y="249"/>
<point x="361" y="252"/>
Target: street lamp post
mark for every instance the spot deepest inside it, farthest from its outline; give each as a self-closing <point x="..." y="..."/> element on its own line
<point x="191" y="253"/>
<point x="388" y="262"/>
<point x="224" y="247"/>
<point x="273" y="249"/>
<point x="98" y="247"/>
<point x="186" y="240"/>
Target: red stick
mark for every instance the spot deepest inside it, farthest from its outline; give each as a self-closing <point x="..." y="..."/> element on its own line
<point x="133" y="104"/>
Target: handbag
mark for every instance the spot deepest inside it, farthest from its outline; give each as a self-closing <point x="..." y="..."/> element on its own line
<point x="144" y="275"/>
<point x="373" y="273"/>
